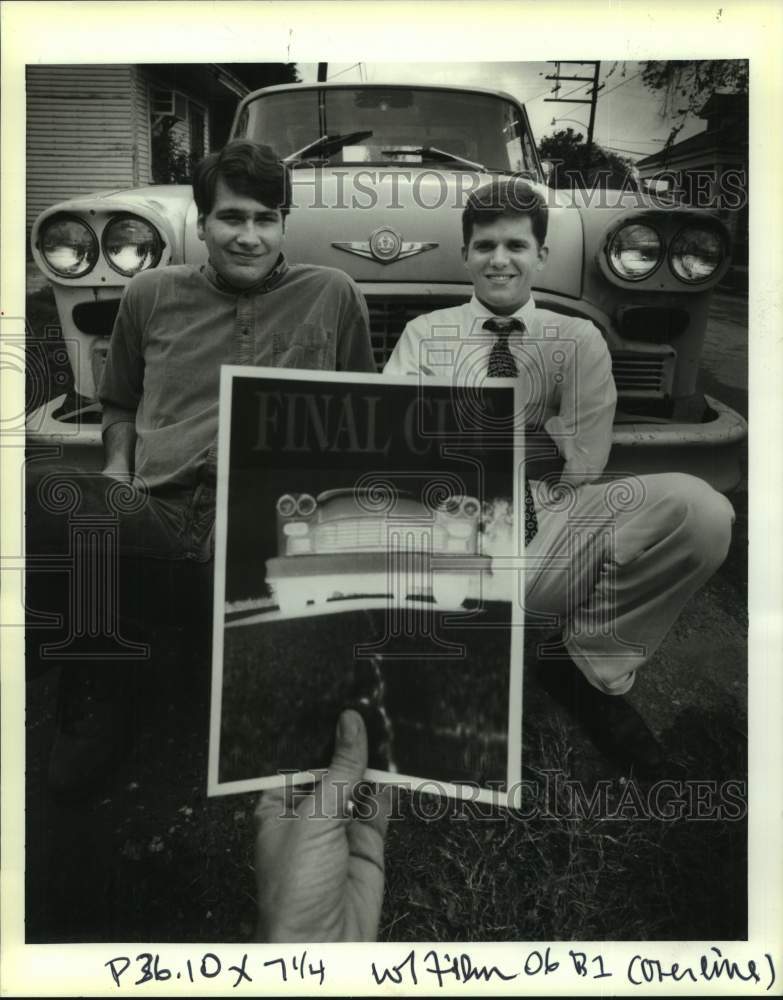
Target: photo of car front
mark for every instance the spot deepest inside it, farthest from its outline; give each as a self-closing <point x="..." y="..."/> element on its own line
<point x="359" y="543"/>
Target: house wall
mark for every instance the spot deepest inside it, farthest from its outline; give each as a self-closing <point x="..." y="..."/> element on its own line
<point x="84" y="132"/>
<point x="89" y="129"/>
<point x="141" y="121"/>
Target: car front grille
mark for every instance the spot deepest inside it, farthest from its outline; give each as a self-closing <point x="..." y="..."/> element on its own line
<point x="637" y="374"/>
<point x="389" y="316"/>
<point x="342" y="535"/>
<point x="371" y="534"/>
<point x="644" y="374"/>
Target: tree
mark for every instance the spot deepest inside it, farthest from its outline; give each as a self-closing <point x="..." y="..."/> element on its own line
<point x="171" y="163"/>
<point x="575" y="166"/>
<point x="685" y="85"/>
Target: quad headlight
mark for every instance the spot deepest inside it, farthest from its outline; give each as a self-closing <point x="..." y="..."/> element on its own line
<point x="286" y="505"/>
<point x="69" y="246"/>
<point x="470" y="507"/>
<point x="635" y="251"/>
<point x="305" y="505"/>
<point x="461" y="516"/>
<point x="131" y="245"/>
<point x="696" y="254"/>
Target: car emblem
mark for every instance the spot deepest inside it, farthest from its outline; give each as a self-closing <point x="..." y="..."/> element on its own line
<point x="385" y="246"/>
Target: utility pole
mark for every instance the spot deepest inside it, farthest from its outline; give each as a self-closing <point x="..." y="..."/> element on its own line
<point x="593" y="92"/>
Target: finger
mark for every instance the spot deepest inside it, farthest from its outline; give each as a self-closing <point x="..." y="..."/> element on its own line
<point x="374" y="805"/>
<point x="365" y="846"/>
<point x="279" y="801"/>
<point x="347" y="766"/>
<point x="366" y="836"/>
<point x="379" y="818"/>
<point x="271" y="804"/>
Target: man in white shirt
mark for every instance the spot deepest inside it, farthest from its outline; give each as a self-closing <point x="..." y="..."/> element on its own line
<point x="635" y="549"/>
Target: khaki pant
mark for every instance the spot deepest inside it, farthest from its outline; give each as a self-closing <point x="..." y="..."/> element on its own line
<point x="617" y="562"/>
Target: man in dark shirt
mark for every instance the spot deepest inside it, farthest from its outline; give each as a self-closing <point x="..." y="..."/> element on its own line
<point x="174" y="329"/>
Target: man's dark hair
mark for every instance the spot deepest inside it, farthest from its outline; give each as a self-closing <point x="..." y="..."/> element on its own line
<point x="249" y="169"/>
<point x="508" y="197"/>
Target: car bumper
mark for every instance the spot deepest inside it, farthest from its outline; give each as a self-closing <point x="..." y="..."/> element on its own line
<point x="712" y="450"/>
<point x="353" y="563"/>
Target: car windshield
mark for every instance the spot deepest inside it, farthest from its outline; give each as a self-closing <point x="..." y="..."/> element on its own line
<point x="382" y="125"/>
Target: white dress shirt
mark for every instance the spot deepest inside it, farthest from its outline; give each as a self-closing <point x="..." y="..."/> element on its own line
<point x="563" y="362"/>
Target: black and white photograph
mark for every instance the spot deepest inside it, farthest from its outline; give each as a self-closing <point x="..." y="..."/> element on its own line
<point x="389" y="523"/>
<point x="354" y="569"/>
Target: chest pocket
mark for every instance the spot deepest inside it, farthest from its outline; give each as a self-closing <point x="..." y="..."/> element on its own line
<point x="303" y="346"/>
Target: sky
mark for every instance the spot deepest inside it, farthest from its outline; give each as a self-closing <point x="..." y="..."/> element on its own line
<point x="628" y="118"/>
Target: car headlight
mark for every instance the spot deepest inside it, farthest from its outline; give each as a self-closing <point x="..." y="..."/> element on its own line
<point x="635" y="251"/>
<point x="470" y="507"/>
<point x="305" y="505"/>
<point x="69" y="246"/>
<point x="450" y="506"/>
<point x="696" y="254"/>
<point x="131" y="245"/>
<point x="286" y="505"/>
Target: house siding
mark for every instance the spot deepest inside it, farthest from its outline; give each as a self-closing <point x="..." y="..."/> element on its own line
<point x="141" y="121"/>
<point x="82" y="132"/>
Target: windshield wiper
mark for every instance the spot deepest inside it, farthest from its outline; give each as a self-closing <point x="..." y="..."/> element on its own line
<point x="327" y="144"/>
<point x="432" y="151"/>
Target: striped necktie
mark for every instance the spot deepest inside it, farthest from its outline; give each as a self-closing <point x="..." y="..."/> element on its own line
<point x="502" y="365"/>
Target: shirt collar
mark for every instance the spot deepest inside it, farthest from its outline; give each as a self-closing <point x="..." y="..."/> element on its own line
<point x="480" y="312"/>
<point x="268" y="282"/>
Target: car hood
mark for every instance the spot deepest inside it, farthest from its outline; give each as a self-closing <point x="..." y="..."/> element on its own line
<point x="158" y="196"/>
<point x="422" y="205"/>
<point x="347" y="205"/>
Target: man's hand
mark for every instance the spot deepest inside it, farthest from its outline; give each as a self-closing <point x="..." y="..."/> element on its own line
<point x="319" y="868"/>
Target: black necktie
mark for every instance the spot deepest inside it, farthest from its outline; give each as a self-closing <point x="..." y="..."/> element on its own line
<point x="502" y="365"/>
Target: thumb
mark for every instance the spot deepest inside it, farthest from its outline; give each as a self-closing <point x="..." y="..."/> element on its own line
<point x="347" y="766"/>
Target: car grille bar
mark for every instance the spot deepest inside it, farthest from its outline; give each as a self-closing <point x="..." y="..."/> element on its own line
<point x="365" y="534"/>
<point x="389" y="316"/>
<point x="643" y="374"/>
<point x="374" y="534"/>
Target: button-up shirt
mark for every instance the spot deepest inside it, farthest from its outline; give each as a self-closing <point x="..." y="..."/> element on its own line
<point x="565" y="373"/>
<point x="177" y="326"/>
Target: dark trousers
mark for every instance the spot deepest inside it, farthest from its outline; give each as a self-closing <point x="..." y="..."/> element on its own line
<point x="111" y="568"/>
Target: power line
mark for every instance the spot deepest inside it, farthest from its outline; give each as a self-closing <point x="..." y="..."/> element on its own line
<point x="622" y="84"/>
<point x="619" y="149"/>
<point x="530" y="100"/>
<point x="648" y="142"/>
<point x="605" y="93"/>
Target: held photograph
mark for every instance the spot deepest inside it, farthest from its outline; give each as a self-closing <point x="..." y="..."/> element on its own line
<point x="356" y="521"/>
<point x="391" y="419"/>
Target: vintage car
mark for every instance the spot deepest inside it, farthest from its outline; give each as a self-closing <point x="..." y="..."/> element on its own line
<point x="362" y="543"/>
<point x="380" y="175"/>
